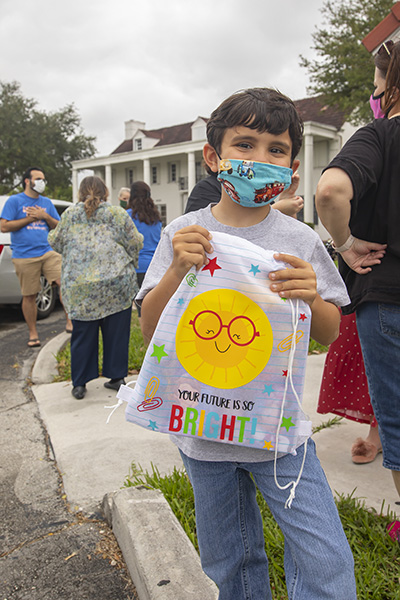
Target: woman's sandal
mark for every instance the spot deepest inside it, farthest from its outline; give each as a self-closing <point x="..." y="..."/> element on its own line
<point x="33" y="343"/>
<point x="363" y="452"/>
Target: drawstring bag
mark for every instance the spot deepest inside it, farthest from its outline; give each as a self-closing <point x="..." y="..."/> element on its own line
<point x="227" y="360"/>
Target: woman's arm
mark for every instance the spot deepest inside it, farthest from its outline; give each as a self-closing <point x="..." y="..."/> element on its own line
<point x="332" y="200"/>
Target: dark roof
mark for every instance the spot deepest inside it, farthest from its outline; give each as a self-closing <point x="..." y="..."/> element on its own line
<point x="175" y="134"/>
<point x="126" y="146"/>
<point x="314" y="109"/>
<point x="310" y="109"/>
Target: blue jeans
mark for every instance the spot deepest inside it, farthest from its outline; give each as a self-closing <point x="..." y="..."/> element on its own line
<point x="378" y="327"/>
<point x="318" y="560"/>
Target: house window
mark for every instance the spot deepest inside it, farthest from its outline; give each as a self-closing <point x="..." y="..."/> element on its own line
<point x="173" y="172"/>
<point x="154" y="174"/>
<point x="199" y="171"/>
<point x="138" y="144"/>
<point x="130" y="177"/>
<point x="162" y="208"/>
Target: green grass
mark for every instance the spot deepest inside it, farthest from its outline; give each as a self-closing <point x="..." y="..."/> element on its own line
<point x="137" y="351"/>
<point x="376" y="555"/>
<point x="316" y="348"/>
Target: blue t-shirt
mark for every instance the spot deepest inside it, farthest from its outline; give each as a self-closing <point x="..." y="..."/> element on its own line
<point x="151" y="237"/>
<point x="29" y="241"/>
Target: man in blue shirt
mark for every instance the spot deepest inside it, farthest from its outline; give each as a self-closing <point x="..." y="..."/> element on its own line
<point x="28" y="217"/>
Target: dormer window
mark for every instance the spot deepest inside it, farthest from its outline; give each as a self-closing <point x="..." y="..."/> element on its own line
<point x="138" y="144"/>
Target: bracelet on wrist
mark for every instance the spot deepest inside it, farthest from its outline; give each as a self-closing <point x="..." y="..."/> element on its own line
<point x="346" y="246"/>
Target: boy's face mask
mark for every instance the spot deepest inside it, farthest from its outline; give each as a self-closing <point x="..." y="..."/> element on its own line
<point x="253" y="184"/>
<point x="375" y="104"/>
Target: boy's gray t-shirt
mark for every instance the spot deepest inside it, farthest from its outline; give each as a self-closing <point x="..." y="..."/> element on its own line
<point x="276" y="232"/>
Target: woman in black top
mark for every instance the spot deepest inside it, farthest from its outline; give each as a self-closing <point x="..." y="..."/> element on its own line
<point x="358" y="201"/>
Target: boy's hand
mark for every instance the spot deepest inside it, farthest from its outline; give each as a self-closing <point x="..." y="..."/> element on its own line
<point x="190" y="245"/>
<point x="299" y="282"/>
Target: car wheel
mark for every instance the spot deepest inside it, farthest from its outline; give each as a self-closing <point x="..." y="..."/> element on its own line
<point x="45" y="299"/>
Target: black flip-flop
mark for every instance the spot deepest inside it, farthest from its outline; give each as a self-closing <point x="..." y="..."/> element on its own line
<point x="33" y="343"/>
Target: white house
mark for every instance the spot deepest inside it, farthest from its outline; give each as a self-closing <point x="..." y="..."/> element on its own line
<point x="170" y="159"/>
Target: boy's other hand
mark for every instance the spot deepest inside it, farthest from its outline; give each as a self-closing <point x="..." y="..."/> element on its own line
<point x="190" y="246"/>
<point x="299" y="282"/>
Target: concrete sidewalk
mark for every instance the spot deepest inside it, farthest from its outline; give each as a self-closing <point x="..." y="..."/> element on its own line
<point x="94" y="459"/>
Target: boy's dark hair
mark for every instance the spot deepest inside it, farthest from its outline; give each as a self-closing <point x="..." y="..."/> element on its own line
<point x="263" y="109"/>
<point x="27" y="174"/>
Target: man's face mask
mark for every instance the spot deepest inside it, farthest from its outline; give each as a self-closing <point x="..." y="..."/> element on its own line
<point x="253" y="184"/>
<point x="375" y="104"/>
<point x="39" y="186"/>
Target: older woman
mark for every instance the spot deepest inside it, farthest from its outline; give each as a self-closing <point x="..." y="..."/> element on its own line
<point x="100" y="246"/>
<point x="358" y="202"/>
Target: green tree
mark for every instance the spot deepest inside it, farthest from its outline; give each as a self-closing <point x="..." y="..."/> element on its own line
<point x="32" y="137"/>
<point x="343" y="71"/>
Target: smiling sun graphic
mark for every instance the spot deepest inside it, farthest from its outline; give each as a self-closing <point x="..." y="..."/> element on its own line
<point x="223" y="339"/>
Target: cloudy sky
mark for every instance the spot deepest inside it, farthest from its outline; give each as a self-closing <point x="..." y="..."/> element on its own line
<point x="157" y="61"/>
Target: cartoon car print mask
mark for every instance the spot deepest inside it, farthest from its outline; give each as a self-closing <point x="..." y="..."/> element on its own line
<point x="253" y="184"/>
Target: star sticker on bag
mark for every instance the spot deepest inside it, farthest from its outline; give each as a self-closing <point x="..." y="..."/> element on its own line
<point x="268" y="445"/>
<point x="254" y="269"/>
<point x="211" y="266"/>
<point x="287" y="423"/>
<point x="284" y="373"/>
<point x="152" y="425"/>
<point x="268" y="389"/>
<point x="302" y="317"/>
<point x="159" y="352"/>
<point x="181" y="302"/>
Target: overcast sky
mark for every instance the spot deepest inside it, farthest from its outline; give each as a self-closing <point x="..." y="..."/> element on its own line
<point x="163" y="62"/>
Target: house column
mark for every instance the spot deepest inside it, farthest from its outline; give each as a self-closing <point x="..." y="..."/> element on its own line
<point x="108" y="181"/>
<point x="191" y="171"/>
<point x="334" y="147"/>
<point x="146" y="171"/>
<point x="74" y="185"/>
<point x="308" y="178"/>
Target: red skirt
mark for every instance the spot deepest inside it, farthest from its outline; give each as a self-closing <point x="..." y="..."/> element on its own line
<point x="344" y="387"/>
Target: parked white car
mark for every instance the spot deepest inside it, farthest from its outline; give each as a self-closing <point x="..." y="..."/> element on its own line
<point x="10" y="292"/>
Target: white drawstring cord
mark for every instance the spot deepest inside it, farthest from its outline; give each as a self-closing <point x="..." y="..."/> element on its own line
<point x="115" y="406"/>
<point x="293" y="484"/>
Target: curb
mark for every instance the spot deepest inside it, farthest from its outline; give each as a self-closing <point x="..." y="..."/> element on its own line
<point x="160" y="558"/>
<point x="45" y="366"/>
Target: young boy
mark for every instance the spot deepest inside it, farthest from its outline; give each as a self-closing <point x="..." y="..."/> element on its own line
<point x="261" y="126"/>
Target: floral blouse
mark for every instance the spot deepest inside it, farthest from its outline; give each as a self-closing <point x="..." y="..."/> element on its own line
<point x="99" y="257"/>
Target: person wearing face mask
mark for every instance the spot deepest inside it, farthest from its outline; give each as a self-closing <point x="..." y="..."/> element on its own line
<point x="344" y="386"/>
<point x="123" y="197"/>
<point x="253" y="138"/>
<point x="357" y="200"/>
<point x="29" y="217"/>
